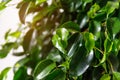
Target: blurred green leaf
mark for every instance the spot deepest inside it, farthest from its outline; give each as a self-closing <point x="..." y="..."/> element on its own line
<point x="3" y="74"/>
<point x="3" y="4"/>
<point x="43" y="69"/>
<point x="23" y="11"/>
<point x="27" y="40"/>
<point x="21" y="74"/>
<point x="40" y="15"/>
<point x="57" y="74"/>
<point x="105" y="77"/>
<point x="116" y="75"/>
<point x="6" y="49"/>
<point x="20" y="63"/>
<point x="15" y="34"/>
<point x="89" y="41"/>
<point x="111" y="6"/>
<point x="40" y="1"/>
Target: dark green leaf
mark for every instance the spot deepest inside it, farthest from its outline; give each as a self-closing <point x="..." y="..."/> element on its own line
<point x="21" y="74"/>
<point x="43" y="69"/>
<point x="95" y="28"/>
<point x="3" y="74"/>
<point x="80" y="61"/>
<point x="57" y="74"/>
<point x="75" y="45"/>
<point x="71" y="26"/>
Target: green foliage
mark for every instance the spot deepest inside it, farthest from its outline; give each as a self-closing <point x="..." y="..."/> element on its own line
<point x="66" y="40"/>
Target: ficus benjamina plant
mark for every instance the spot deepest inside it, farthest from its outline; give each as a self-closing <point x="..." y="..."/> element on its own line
<point x="65" y="40"/>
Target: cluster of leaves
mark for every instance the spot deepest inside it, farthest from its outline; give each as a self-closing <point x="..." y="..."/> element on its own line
<point x="66" y="40"/>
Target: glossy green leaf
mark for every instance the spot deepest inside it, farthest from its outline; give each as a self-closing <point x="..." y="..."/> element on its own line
<point x="80" y="61"/>
<point x="56" y="40"/>
<point x="3" y="74"/>
<point x="60" y="39"/>
<point x="21" y="74"/>
<point x="23" y="11"/>
<point x="75" y="45"/>
<point x="95" y="28"/>
<point x="40" y="1"/>
<point x="89" y="41"/>
<point x="116" y="75"/>
<point x="57" y="74"/>
<point x="62" y="33"/>
<point x="43" y="69"/>
<point x="105" y="77"/>
<point x="27" y="40"/>
<point x="55" y="56"/>
<point x="71" y="26"/>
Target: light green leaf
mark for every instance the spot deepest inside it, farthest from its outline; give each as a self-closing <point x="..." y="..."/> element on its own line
<point x="116" y="25"/>
<point x="15" y="34"/>
<point x="43" y="69"/>
<point x="105" y="77"/>
<point x="111" y="6"/>
<point x="116" y="75"/>
<point x="107" y="45"/>
<point x="40" y="1"/>
<point x="3" y="74"/>
<point x="93" y="10"/>
<point x="89" y="41"/>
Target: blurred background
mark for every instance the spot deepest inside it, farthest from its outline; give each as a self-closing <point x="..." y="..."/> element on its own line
<point x="8" y="20"/>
